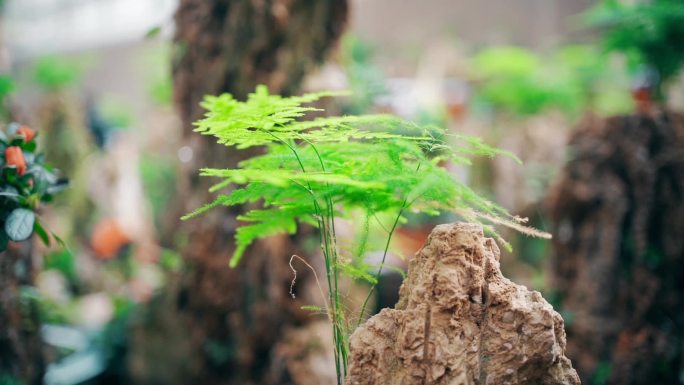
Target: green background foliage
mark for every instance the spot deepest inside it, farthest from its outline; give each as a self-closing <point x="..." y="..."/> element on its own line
<point x="649" y="33"/>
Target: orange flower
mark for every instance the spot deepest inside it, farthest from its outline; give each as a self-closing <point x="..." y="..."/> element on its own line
<point x="14" y="157"/>
<point x="27" y="132"/>
<point x="108" y="238"/>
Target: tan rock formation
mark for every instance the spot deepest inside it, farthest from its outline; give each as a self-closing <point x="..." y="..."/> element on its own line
<point x="459" y="321"/>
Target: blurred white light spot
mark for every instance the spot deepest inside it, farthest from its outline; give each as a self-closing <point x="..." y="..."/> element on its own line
<point x="185" y="154"/>
<point x="95" y="310"/>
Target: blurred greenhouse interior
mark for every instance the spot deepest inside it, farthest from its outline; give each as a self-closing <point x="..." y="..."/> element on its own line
<point x="555" y="124"/>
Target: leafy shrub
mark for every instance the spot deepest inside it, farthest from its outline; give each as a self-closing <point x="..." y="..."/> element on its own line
<point x="522" y="83"/>
<point x="25" y="182"/>
<point x="54" y="73"/>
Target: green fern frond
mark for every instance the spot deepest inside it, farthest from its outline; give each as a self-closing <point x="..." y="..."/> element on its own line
<point x="375" y="162"/>
<point x="284" y="177"/>
<point x="267" y="223"/>
<point x="312" y="308"/>
<point x="358" y="272"/>
<point x="216" y="203"/>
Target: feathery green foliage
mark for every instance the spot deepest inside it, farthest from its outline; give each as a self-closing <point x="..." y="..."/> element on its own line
<point x="314" y="171"/>
<point x="521" y="83"/>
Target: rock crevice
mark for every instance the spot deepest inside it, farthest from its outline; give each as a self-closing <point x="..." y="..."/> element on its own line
<point x="459" y="321"/>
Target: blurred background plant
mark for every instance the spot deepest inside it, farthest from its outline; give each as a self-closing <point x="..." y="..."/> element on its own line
<point x="649" y="33"/>
<point x="26" y="183"/>
<point x="519" y="83"/>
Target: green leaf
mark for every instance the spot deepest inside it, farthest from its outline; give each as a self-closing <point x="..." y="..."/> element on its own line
<point x="4" y="240"/>
<point x="6" y="86"/>
<point x="251" y="193"/>
<point x="313" y="308"/>
<point x="60" y="241"/>
<point x="28" y="147"/>
<point x="283" y="177"/>
<point x="57" y="186"/>
<point x="216" y="203"/>
<point x="19" y="224"/>
<point x="358" y="273"/>
<point x="14" y="196"/>
<point x="53" y="73"/>
<point x="42" y="233"/>
<point x="17" y="142"/>
<point x="152" y="32"/>
<point x="267" y="223"/>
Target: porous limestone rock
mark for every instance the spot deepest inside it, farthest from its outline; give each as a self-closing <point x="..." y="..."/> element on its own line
<point x="459" y="321"/>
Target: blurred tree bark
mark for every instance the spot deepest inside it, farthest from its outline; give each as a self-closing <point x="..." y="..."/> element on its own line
<point x="618" y="225"/>
<point x="235" y="317"/>
<point x="21" y="347"/>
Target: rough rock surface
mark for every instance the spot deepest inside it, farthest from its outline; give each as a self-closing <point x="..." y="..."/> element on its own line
<point x="459" y="321"/>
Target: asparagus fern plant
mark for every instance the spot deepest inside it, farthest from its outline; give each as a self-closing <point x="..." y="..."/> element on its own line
<point x="317" y="171"/>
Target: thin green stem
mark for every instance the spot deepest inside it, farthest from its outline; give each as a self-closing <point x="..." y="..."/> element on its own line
<point x="382" y="264"/>
<point x="325" y="226"/>
<point x="338" y="318"/>
<point x="328" y="238"/>
<point x="384" y="256"/>
<point x="380" y="223"/>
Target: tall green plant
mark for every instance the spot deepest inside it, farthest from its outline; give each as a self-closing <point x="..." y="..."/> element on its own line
<point x="317" y="171"/>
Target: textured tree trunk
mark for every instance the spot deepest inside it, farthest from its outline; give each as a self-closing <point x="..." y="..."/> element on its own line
<point x="236" y="317"/>
<point x="618" y="224"/>
<point x="21" y="347"/>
